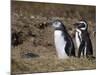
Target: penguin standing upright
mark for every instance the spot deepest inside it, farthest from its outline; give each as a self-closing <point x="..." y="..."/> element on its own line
<point x="83" y="41"/>
<point x="63" y="41"/>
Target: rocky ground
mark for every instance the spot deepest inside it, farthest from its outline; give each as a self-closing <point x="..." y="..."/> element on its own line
<point x="32" y="39"/>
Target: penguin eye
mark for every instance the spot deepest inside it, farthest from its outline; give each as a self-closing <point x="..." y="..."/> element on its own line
<point x="82" y="25"/>
<point x="57" y="24"/>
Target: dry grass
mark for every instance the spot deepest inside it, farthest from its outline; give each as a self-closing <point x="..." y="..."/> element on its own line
<point x="38" y="65"/>
<point x="46" y="62"/>
<point x="27" y="18"/>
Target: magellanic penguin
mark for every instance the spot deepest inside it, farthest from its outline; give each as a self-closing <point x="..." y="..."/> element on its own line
<point x="63" y="41"/>
<point x="83" y="41"/>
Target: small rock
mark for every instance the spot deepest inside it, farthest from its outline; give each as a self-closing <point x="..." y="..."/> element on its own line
<point x="30" y="55"/>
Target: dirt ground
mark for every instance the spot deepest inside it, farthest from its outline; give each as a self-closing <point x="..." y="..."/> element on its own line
<point x="33" y="51"/>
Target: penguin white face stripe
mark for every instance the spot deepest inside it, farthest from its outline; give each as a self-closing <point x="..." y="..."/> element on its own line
<point x="83" y="28"/>
<point x="83" y="22"/>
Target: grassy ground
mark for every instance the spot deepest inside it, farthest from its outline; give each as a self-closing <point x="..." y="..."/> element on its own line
<point x="29" y="19"/>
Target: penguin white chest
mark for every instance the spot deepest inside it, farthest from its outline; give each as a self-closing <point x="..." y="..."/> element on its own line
<point x="78" y="38"/>
<point x="60" y="44"/>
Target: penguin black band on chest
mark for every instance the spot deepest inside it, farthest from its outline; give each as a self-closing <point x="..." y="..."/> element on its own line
<point x="63" y="41"/>
<point x="83" y="41"/>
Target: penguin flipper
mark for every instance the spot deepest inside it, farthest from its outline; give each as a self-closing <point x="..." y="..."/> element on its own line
<point x="69" y="49"/>
<point x="81" y="48"/>
<point x="73" y="51"/>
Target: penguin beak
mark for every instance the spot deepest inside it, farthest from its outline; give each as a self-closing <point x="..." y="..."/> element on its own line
<point x="76" y="24"/>
<point x="50" y="23"/>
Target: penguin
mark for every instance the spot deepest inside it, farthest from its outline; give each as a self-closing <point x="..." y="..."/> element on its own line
<point x="63" y="41"/>
<point x="83" y="41"/>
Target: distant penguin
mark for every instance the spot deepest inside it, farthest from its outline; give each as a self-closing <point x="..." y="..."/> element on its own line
<point x="63" y="41"/>
<point x="83" y="41"/>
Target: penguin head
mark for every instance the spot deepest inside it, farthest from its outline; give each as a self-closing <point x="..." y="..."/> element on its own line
<point x="57" y="24"/>
<point x="82" y="25"/>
